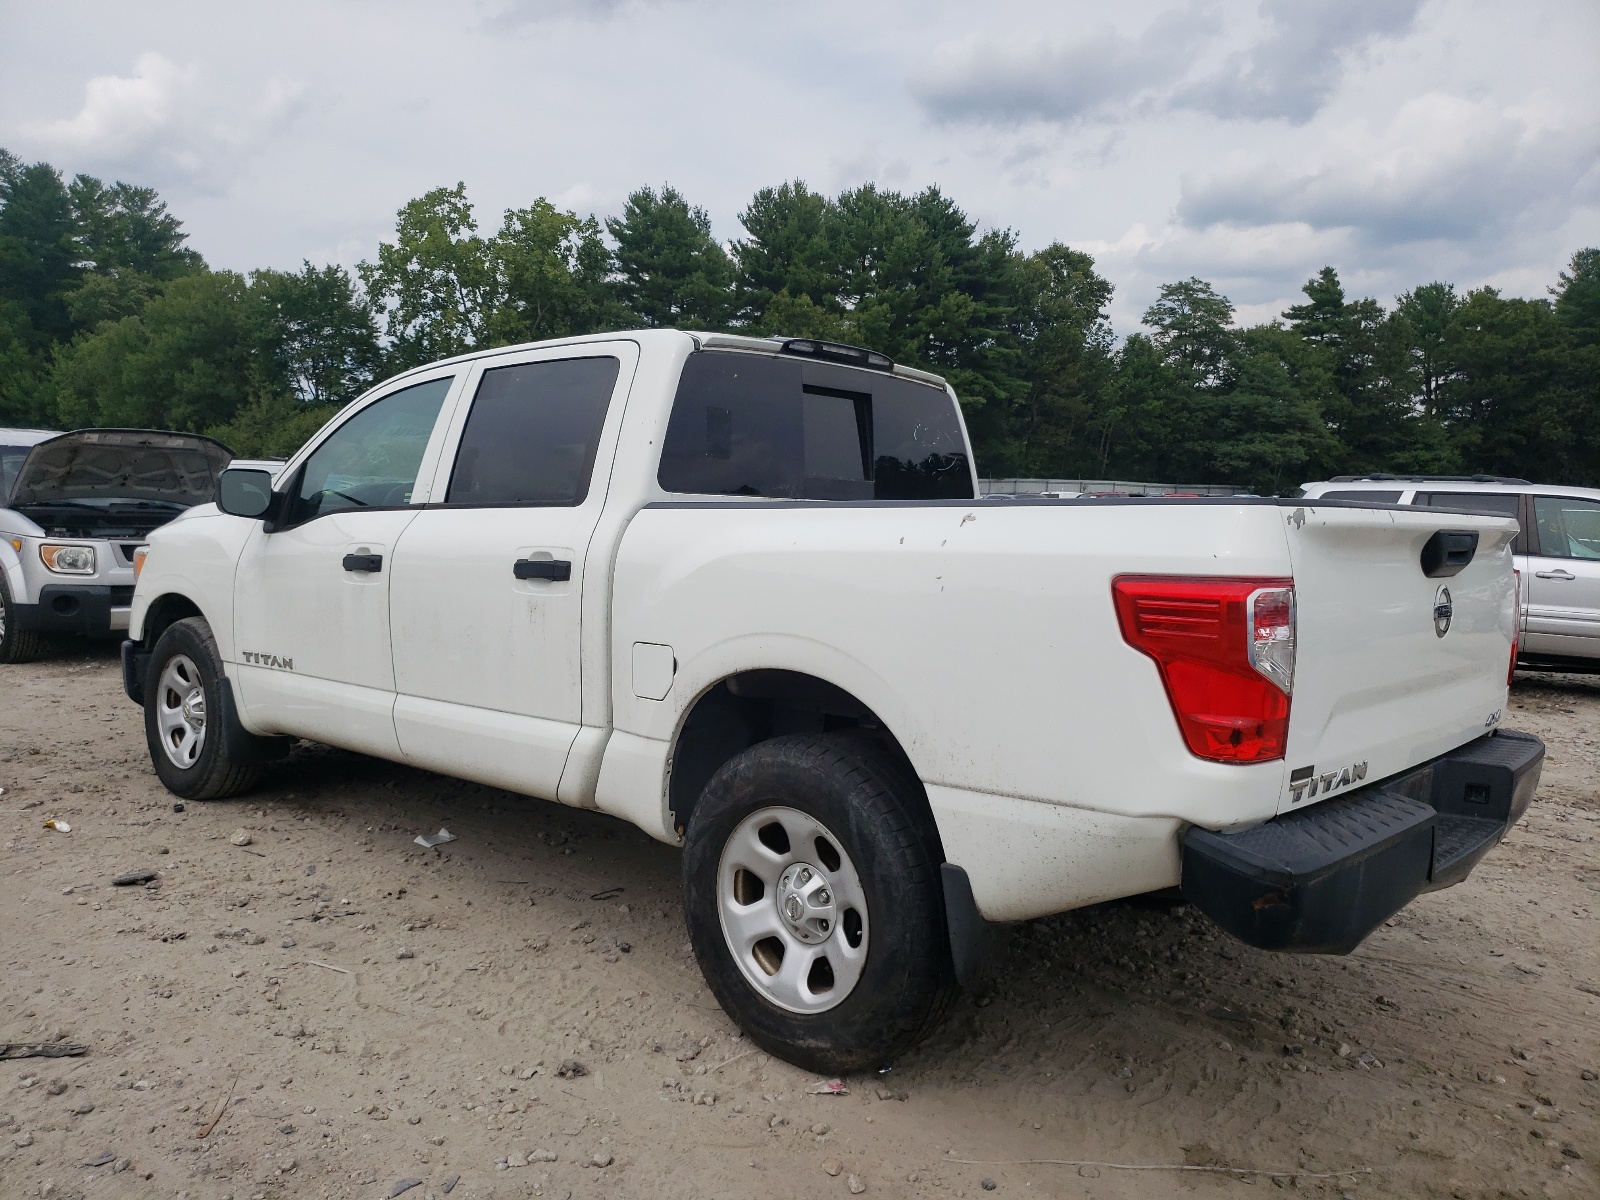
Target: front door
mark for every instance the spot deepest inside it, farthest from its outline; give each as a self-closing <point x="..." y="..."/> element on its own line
<point x="1563" y="578"/>
<point x="311" y="606"/>
<point x="488" y="585"/>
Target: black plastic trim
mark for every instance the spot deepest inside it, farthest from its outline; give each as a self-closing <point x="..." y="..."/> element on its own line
<point x="240" y="743"/>
<point x="970" y="934"/>
<point x="135" y="665"/>
<point x="1448" y="552"/>
<point x="558" y="570"/>
<point x="1319" y="880"/>
<point x="67" y="608"/>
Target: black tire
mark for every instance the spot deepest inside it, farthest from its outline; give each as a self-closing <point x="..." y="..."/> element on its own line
<point x="877" y="814"/>
<point x="216" y="771"/>
<point x="19" y="645"/>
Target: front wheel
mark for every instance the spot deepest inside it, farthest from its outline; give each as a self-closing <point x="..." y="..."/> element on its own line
<point x="18" y="645"/>
<point x="184" y="714"/>
<point x="814" y="905"/>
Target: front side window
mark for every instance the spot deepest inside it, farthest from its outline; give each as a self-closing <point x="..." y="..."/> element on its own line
<point x="370" y="461"/>
<point x="533" y="432"/>
<point x="752" y="425"/>
<point x="1568" y="527"/>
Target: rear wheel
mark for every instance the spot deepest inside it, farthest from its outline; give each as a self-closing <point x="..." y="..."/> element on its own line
<point x="18" y="645"/>
<point x="184" y="717"/>
<point x="814" y="904"/>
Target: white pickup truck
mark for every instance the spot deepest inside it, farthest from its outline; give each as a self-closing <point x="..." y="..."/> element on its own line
<point x="741" y="593"/>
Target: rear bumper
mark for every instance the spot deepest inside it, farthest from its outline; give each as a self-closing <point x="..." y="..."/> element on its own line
<point x="1320" y="880"/>
<point x="77" y="608"/>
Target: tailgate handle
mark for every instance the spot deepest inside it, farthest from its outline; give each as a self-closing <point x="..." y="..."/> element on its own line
<point x="1448" y="551"/>
<point x="557" y="569"/>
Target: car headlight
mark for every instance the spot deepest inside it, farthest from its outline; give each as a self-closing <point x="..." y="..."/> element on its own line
<point x="67" y="560"/>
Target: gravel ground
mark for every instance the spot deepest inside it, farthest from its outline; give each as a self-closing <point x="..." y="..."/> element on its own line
<point x="519" y="1012"/>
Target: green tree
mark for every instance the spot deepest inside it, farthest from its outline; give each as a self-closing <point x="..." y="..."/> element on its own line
<point x="434" y="287"/>
<point x="38" y="250"/>
<point x="786" y="255"/>
<point x="1192" y="329"/>
<point x="320" y="331"/>
<point x="1510" y="409"/>
<point x="1063" y="341"/>
<point x="123" y="227"/>
<point x="553" y="268"/>
<point x="671" y="273"/>
<point x="196" y="355"/>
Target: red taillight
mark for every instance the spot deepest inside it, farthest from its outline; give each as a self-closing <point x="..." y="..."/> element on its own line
<point x="1516" y="622"/>
<point x="1226" y="650"/>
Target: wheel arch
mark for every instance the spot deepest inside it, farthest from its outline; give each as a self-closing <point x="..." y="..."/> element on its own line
<point x="165" y="610"/>
<point x="745" y="708"/>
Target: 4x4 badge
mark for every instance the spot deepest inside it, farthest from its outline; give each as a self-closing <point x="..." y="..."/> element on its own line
<point x="1443" y="610"/>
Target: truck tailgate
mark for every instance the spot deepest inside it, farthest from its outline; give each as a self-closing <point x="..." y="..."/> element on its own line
<point x="1393" y="666"/>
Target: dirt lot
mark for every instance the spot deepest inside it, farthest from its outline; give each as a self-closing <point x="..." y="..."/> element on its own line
<point x="382" y="1012"/>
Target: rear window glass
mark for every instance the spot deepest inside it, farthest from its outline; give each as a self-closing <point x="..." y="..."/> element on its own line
<point x="1501" y="504"/>
<point x="753" y="425"/>
<point x="533" y="431"/>
<point x="1366" y="495"/>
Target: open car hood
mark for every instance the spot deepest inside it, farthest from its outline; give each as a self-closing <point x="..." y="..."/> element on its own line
<point x="121" y="464"/>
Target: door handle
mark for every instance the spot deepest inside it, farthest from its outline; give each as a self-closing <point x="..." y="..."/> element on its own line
<point x="363" y="562"/>
<point x="1553" y="575"/>
<point x="556" y="569"/>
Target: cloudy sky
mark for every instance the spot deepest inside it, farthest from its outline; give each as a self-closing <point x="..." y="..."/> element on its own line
<point x="1245" y="142"/>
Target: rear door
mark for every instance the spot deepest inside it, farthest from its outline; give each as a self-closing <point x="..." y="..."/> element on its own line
<point x="1563" y="578"/>
<point x="488" y="584"/>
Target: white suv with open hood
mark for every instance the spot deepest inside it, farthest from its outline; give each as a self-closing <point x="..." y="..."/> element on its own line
<point x="75" y="510"/>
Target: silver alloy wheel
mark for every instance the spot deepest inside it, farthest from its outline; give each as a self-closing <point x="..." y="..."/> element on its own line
<point x="2" y="622"/>
<point x="180" y="702"/>
<point x="792" y="910"/>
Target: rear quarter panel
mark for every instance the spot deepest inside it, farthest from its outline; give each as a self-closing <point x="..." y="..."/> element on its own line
<point x="982" y="634"/>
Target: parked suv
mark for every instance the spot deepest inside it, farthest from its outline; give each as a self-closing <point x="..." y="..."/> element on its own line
<point x="1557" y="551"/>
<point x="75" y="510"/>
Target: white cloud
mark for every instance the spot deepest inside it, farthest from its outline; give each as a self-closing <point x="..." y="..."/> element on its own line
<point x="1441" y="168"/>
<point x="1019" y="79"/>
<point x="1295" y="68"/>
<point x="121" y="114"/>
<point x="1291" y="65"/>
<point x="162" y="122"/>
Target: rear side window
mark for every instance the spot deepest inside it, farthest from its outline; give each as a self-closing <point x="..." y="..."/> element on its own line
<point x="750" y="425"/>
<point x="1499" y="504"/>
<point x="532" y="434"/>
<point x="1568" y="527"/>
<point x="1365" y="496"/>
<point x="10" y="466"/>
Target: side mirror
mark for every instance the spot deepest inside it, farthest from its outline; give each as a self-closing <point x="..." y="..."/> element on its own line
<point x="245" y="492"/>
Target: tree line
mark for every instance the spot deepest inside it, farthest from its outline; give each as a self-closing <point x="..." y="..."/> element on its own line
<point x="108" y="318"/>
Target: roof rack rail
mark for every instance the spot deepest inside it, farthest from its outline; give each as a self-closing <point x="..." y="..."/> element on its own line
<point x="1382" y="477"/>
